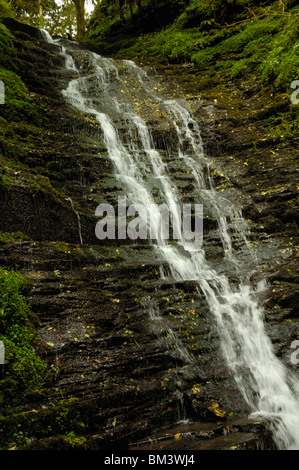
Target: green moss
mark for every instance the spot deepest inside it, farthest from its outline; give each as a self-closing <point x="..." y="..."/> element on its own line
<point x="23" y="370"/>
<point x="285" y="125"/>
<point x="5" y="8"/>
<point x="6" y="181"/>
<point x="7" y="48"/>
<point x="14" y="173"/>
<point x="282" y="61"/>
<point x="223" y="37"/>
<point x="6" y="237"/>
<point x="73" y="440"/>
<point x="19" y="105"/>
<point x="14" y="87"/>
<point x="61" y="419"/>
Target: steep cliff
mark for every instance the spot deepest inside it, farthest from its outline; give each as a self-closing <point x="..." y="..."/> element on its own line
<point x="109" y="381"/>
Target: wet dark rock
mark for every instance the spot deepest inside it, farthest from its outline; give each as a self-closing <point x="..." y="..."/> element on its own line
<point x="16" y="26"/>
<point x="240" y="434"/>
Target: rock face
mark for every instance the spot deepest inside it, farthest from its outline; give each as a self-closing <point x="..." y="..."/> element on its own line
<point x="116" y="376"/>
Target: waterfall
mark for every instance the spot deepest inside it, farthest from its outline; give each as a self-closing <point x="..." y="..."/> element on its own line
<point x="46" y="36"/>
<point x="117" y="95"/>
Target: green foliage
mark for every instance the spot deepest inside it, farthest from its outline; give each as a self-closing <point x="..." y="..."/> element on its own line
<point x="47" y="14"/>
<point x="7" y="49"/>
<point x="246" y="41"/>
<point x="6" y="237"/>
<point x="260" y="38"/>
<point x="23" y="370"/>
<point x="15" y="89"/>
<point x="112" y="16"/>
<point x="206" y="12"/>
<point x="282" y="61"/>
<point x="5" y="8"/>
<point x="19" y="105"/>
<point x="73" y="440"/>
<point x="31" y="11"/>
<point x="61" y="20"/>
<point x="173" y="44"/>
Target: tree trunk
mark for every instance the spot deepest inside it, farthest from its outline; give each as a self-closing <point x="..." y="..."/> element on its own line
<point x="120" y="8"/>
<point x="80" y="14"/>
<point x="131" y="8"/>
<point x="40" y="14"/>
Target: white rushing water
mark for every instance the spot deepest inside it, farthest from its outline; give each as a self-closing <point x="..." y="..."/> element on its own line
<point x="78" y="219"/>
<point x="99" y="88"/>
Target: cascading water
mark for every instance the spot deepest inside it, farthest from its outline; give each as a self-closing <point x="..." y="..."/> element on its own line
<point x="116" y="94"/>
<point x="169" y="342"/>
<point x="78" y="218"/>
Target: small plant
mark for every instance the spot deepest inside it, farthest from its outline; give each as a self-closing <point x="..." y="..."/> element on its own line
<point x="7" y="48"/>
<point x="23" y="369"/>
<point x="75" y="441"/>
